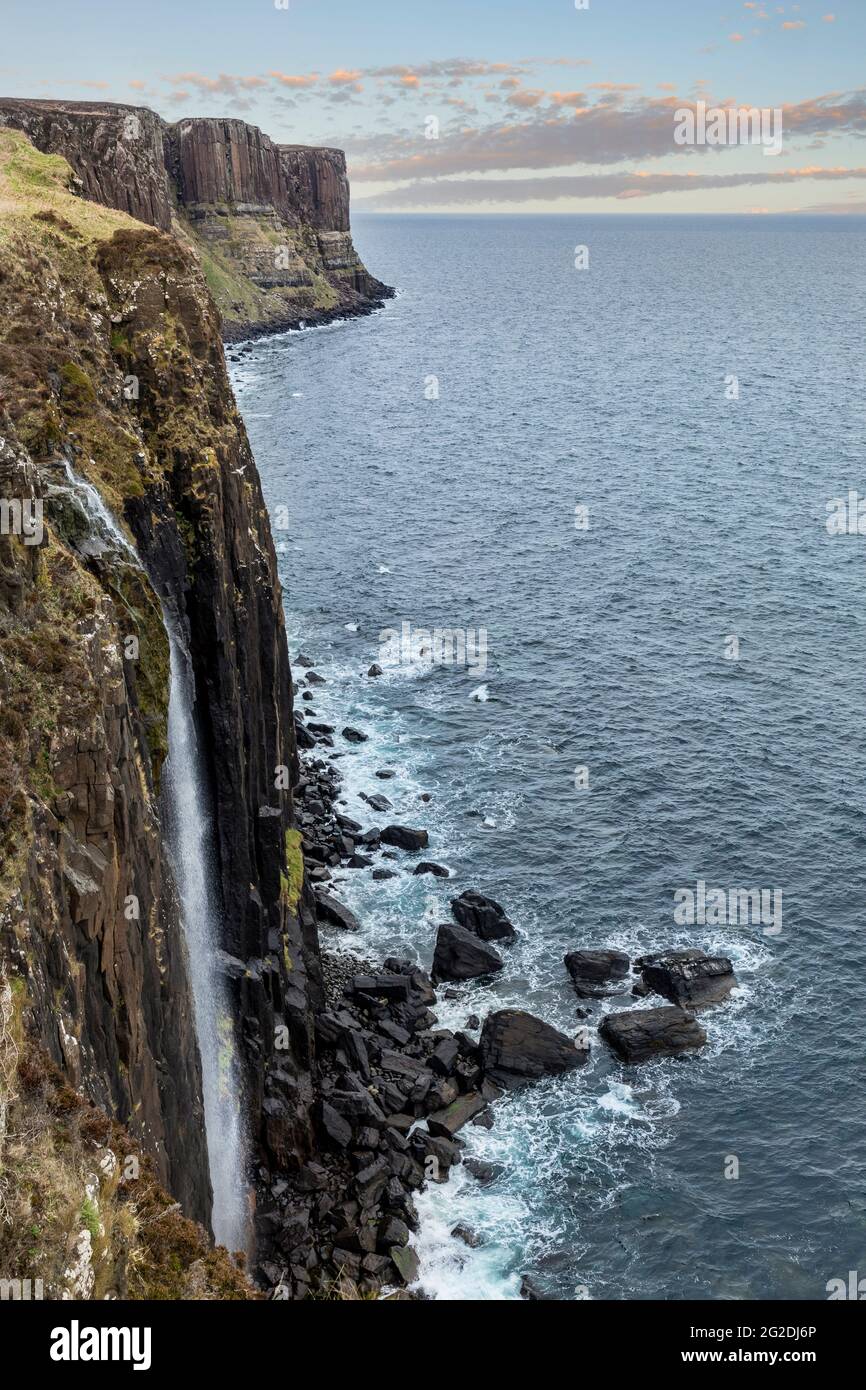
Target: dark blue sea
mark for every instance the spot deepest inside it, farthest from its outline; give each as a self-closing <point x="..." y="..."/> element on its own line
<point x="452" y="505"/>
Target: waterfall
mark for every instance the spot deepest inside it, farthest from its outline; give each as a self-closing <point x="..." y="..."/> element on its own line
<point x="190" y="843"/>
<point x="192" y="851"/>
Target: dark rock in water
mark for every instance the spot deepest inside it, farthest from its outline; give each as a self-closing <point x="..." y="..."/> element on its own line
<point x="473" y="1022"/>
<point x="444" y="1056"/>
<point x="642" y="1034"/>
<point x="304" y="660"/>
<point x="335" y="913"/>
<point x="354" y="735"/>
<point x="465" y="1233"/>
<point x="691" y="979"/>
<point x="302" y="737"/>
<point x="483" y="916"/>
<point x="446" y="1123"/>
<point x="517" y="1047"/>
<point x="320" y="728"/>
<point x="460" y="955"/>
<point x="530" y="1291"/>
<point x="404" y="838"/>
<point x="640" y="989"/>
<point x="313" y="678"/>
<point x="376" y="802"/>
<point x="438" y="870"/>
<point x="596" y="974"/>
<point x="484" y="1173"/>
<point x="375" y="670"/>
<point x="380" y="874"/>
<point x="485" y="1120"/>
<point x="385" y="773"/>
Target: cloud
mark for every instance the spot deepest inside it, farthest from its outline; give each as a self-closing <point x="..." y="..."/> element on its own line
<point x="344" y="76"/>
<point x="623" y="187"/>
<point x="286" y="79"/>
<point x="601" y="133"/>
<point x="794" y="24"/>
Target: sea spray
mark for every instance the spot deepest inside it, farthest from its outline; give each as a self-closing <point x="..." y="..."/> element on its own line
<point x="191" y="847"/>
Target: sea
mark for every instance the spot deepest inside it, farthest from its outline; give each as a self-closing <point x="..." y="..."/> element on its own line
<point x="590" y="471"/>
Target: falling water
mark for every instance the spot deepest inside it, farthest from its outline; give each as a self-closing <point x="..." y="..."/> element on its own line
<point x="191" y="845"/>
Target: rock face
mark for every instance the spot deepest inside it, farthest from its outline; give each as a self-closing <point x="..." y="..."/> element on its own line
<point x="270" y="222"/>
<point x="517" y="1047"/>
<point x="460" y="955"/>
<point x="596" y="974"/>
<point x="691" y="979"/>
<point x="89" y="921"/>
<point x="641" y="1035"/>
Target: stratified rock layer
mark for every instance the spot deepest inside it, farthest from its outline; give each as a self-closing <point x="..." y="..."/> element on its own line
<point x="270" y="222"/>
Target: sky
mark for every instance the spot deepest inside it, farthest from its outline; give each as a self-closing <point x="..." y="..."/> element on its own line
<point x="490" y="105"/>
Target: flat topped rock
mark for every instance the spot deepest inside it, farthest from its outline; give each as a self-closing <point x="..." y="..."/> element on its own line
<point x="517" y="1047"/>
<point x="596" y="974"/>
<point x="640" y="1035"/>
<point x="691" y="978"/>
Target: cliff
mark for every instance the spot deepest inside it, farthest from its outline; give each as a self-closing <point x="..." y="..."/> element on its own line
<point x="269" y="222"/>
<point x="112" y="373"/>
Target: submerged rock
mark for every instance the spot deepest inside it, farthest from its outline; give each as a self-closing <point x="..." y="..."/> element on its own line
<point x="640" y="1035"/>
<point x="517" y="1047"/>
<point x="426" y="867"/>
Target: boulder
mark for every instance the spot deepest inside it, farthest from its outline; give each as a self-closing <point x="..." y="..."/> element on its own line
<point x="460" y="955"/>
<point x="483" y="916"/>
<point x="404" y="838"/>
<point x="517" y="1047"/>
<point x="643" y="1034"/>
<point x="691" y="979"/>
<point x="444" y="1124"/>
<point x="354" y="735"/>
<point x="426" y="867"/>
<point x="374" y="670"/>
<point x="596" y="974"/>
<point x="330" y="910"/>
<point x="465" y="1233"/>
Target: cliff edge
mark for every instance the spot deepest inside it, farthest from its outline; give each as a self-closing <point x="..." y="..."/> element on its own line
<point x="269" y="222"/>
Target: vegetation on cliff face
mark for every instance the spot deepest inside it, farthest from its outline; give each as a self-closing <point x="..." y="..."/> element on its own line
<point x="80" y="1207"/>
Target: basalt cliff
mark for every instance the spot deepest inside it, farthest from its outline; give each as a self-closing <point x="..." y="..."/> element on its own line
<point x="269" y="222"/>
<point x="115" y="403"/>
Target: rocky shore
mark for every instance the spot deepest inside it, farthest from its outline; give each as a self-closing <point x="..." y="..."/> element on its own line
<point x="395" y="1092"/>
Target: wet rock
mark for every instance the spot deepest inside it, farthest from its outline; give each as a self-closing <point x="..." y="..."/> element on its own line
<point x="313" y="678"/>
<point x="404" y="838"/>
<point x="517" y="1047"/>
<point x="460" y="955"/>
<point x="330" y="910"/>
<point x="465" y="1233"/>
<point x="375" y="669"/>
<point x="380" y="874"/>
<point x="641" y="1035"/>
<point x="381" y="986"/>
<point x="691" y="979"/>
<point x="483" y="1172"/>
<point x="596" y="974"/>
<point x="377" y="803"/>
<point x="426" y="867"/>
<point x="385" y="774"/>
<point x="354" y="735"/>
<point x="483" y="916"/>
